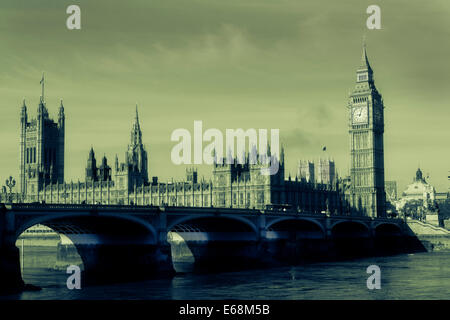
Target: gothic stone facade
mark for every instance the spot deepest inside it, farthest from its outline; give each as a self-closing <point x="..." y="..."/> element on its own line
<point x="231" y="185"/>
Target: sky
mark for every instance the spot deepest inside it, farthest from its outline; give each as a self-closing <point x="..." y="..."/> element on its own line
<point x="284" y="64"/>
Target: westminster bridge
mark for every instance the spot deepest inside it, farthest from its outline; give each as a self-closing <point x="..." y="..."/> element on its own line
<point x="127" y="242"/>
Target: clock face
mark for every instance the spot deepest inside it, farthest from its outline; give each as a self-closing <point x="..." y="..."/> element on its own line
<point x="359" y="114"/>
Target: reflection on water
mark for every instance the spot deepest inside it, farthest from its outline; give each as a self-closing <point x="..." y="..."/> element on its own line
<point x="417" y="276"/>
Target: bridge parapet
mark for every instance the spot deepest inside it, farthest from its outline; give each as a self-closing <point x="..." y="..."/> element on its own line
<point x="82" y="207"/>
<point x="163" y="217"/>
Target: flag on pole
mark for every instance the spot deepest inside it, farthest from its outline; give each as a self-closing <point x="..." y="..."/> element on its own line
<point x="42" y="84"/>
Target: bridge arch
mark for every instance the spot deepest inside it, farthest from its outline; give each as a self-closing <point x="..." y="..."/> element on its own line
<point x="71" y="219"/>
<point x="361" y="223"/>
<point x="185" y="219"/>
<point x="351" y="238"/>
<point x="213" y="242"/>
<point x="282" y="219"/>
<point x="112" y="246"/>
<point x="350" y="228"/>
<point x="293" y="229"/>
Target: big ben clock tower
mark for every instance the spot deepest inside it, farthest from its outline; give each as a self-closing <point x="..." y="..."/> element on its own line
<point x="366" y="127"/>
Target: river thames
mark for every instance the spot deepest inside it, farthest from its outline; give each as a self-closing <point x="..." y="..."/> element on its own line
<point x="407" y="276"/>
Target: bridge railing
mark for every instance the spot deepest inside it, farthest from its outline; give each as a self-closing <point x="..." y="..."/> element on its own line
<point x="192" y="210"/>
<point x="74" y="206"/>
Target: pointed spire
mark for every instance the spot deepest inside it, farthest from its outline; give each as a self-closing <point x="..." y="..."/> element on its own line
<point x="136" y="134"/>
<point x="91" y="153"/>
<point x="137" y="115"/>
<point x="116" y="163"/>
<point x="104" y="160"/>
<point x="24" y="109"/>
<point x="136" y="119"/>
<point x="364" y="60"/>
<point x="61" y="112"/>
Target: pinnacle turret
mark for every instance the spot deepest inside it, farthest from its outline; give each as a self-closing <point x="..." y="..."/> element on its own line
<point x="24" y="111"/>
<point x="137" y="115"/>
<point x="91" y="153"/>
<point x="364" y="60"/>
<point x="136" y="134"/>
<point x="136" y="155"/>
<point x="61" y="107"/>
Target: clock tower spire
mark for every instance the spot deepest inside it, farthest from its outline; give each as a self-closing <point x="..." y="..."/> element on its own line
<point x="366" y="129"/>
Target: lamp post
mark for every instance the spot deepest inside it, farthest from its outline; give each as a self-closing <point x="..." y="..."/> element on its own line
<point x="10" y="183"/>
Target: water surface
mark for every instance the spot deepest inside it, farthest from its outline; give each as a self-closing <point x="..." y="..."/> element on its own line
<point x="407" y="276"/>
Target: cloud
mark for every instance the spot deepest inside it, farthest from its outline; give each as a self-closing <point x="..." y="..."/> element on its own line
<point x="318" y="115"/>
<point x="299" y="138"/>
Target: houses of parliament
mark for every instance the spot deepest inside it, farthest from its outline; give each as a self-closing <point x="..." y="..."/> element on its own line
<point x="42" y="145"/>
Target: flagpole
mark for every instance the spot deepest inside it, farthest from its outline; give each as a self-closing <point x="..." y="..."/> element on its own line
<point x="43" y="82"/>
